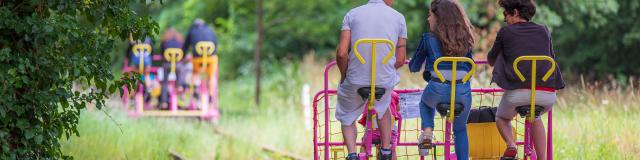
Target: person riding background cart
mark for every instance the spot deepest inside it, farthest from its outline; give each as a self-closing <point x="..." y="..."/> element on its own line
<point x="170" y="39"/>
<point x="200" y="32"/>
<point x="143" y="49"/>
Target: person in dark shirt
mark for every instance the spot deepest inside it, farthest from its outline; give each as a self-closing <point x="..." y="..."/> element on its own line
<point x="200" y="33"/>
<point x="521" y="37"/>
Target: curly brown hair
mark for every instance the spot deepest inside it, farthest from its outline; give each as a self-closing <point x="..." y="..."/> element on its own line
<point x="525" y="8"/>
<point x="453" y="28"/>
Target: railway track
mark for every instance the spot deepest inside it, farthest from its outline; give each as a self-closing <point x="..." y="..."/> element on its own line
<point x="273" y="151"/>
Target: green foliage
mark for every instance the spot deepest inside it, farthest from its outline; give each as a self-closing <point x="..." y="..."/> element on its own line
<point x="588" y="35"/>
<point x="54" y="62"/>
<point x="291" y="30"/>
<point x="598" y="36"/>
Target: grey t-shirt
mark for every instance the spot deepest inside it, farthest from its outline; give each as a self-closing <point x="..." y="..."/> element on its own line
<point x="373" y="20"/>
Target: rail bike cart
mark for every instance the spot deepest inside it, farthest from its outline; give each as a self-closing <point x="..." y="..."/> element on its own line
<point x="484" y="140"/>
<point x="198" y="103"/>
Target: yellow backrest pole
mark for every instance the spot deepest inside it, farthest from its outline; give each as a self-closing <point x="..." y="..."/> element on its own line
<point x="454" y="68"/>
<point x="205" y="49"/>
<point x="173" y="55"/>
<point x="373" y="64"/>
<point x="141" y="50"/>
<point x="453" y="91"/>
<point x="533" y="60"/>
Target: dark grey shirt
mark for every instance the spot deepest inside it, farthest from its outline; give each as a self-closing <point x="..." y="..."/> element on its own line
<point x="522" y="39"/>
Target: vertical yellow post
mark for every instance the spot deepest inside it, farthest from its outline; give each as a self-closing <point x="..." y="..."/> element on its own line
<point x="454" y="66"/>
<point x="534" y="67"/>
<point x="532" y="109"/>
<point x="373" y="73"/>
<point x="141" y="65"/>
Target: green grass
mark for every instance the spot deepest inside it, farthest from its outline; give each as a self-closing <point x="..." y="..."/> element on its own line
<point x="594" y="135"/>
<point x="594" y="122"/>
<point x="276" y="124"/>
<point x="589" y="123"/>
<point x="150" y="138"/>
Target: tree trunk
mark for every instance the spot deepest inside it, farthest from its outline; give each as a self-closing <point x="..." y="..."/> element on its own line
<point x="259" y="14"/>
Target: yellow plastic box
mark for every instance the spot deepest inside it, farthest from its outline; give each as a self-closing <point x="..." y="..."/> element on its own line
<point x="485" y="141"/>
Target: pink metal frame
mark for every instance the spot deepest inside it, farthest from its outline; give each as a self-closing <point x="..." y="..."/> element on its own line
<point x="368" y="139"/>
<point x="324" y="94"/>
<point x="529" y="152"/>
<point x="211" y="112"/>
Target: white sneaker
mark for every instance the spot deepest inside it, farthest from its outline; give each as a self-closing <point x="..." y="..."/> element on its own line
<point x="425" y="143"/>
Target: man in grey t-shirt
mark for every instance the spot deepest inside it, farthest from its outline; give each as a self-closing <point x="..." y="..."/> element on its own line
<point x="374" y="20"/>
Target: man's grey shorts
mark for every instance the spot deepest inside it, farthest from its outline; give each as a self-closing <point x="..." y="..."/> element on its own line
<point x="351" y="105"/>
<point x="521" y="97"/>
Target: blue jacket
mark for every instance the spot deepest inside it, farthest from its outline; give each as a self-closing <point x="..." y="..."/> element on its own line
<point x="428" y="51"/>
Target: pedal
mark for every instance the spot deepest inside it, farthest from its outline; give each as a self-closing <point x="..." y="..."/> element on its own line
<point x="376" y="141"/>
<point x="423" y="151"/>
<point x="508" y="158"/>
<point x="424" y="147"/>
<point x="384" y="157"/>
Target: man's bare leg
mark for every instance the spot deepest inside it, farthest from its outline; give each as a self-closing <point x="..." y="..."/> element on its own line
<point x="385" y="129"/>
<point x="539" y="139"/>
<point x="506" y="131"/>
<point x="349" y="133"/>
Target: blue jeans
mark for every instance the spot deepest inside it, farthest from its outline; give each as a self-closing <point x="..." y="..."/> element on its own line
<point x="435" y="93"/>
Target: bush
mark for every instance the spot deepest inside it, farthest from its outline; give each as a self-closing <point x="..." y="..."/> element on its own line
<point x="46" y="48"/>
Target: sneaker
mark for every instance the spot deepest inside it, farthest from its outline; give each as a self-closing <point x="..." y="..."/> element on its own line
<point x="510" y="154"/>
<point x="425" y="143"/>
<point x="352" y="156"/>
<point x="384" y="156"/>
